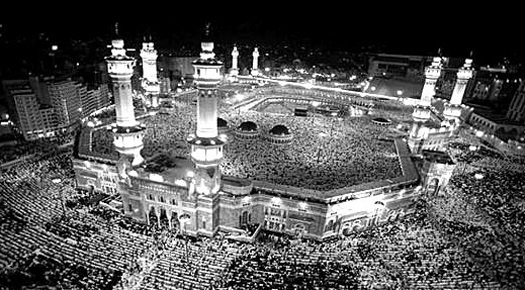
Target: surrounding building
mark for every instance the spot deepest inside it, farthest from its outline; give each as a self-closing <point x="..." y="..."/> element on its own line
<point x="493" y="85"/>
<point x="32" y="117"/>
<point x="65" y="97"/>
<point x="93" y="100"/>
<point x="516" y="110"/>
<point x="43" y="107"/>
<point x="398" y="66"/>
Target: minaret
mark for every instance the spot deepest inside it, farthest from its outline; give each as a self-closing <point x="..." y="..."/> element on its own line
<point x="150" y="82"/>
<point x="234" y="70"/>
<point x="421" y="112"/>
<point x="452" y="110"/>
<point x="255" y="63"/>
<point x="206" y="147"/>
<point x="128" y="133"/>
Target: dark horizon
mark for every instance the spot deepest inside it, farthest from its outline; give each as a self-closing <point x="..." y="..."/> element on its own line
<point x="491" y="35"/>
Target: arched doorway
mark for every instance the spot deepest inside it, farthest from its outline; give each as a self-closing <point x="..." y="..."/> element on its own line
<point x="164" y="223"/>
<point x="175" y="223"/>
<point x="299" y="230"/>
<point x="152" y="216"/>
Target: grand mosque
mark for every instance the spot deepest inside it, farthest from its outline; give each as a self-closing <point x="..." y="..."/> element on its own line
<point x="194" y="193"/>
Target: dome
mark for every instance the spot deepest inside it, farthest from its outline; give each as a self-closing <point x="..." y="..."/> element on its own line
<point x="248" y="126"/>
<point x="221" y="122"/>
<point x="280" y="130"/>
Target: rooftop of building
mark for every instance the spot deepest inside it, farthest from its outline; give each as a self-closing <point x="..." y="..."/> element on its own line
<point x="169" y="166"/>
<point x="496" y="117"/>
<point x="312" y="160"/>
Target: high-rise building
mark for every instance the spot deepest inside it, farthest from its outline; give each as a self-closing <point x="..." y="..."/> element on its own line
<point x="93" y="100"/>
<point x="516" y="110"/>
<point x="65" y="98"/>
<point x="495" y="86"/>
<point x="33" y="119"/>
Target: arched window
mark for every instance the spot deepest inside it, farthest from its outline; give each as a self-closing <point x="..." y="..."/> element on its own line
<point x="330" y="225"/>
<point x="244" y="218"/>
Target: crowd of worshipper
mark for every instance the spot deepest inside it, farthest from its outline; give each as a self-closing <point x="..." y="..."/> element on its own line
<point x="469" y="238"/>
<point x="325" y="153"/>
<point x="32" y="148"/>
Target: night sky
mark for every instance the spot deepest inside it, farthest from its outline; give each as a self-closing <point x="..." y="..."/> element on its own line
<point x="490" y="30"/>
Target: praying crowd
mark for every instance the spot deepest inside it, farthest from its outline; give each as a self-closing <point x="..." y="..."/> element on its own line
<point x="331" y="153"/>
<point x="55" y="236"/>
<point x="470" y="238"/>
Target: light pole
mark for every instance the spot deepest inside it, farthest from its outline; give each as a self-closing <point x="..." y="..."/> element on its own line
<point x="57" y="181"/>
<point x="184" y="220"/>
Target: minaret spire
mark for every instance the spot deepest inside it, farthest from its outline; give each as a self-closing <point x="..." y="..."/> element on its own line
<point x="453" y="109"/>
<point x="206" y="145"/>
<point x="116" y="30"/>
<point x="235" y="54"/>
<point x="150" y="81"/>
<point x="128" y="133"/>
<point x="255" y="63"/>
<point x="421" y="113"/>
